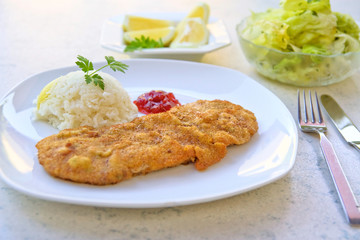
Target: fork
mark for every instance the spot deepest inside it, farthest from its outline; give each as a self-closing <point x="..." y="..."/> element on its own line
<point x="346" y="195"/>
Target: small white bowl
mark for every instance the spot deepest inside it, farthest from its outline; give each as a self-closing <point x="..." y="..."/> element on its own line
<point x="112" y="38"/>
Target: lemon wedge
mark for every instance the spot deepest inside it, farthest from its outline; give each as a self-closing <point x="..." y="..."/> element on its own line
<point x="201" y="10"/>
<point x="165" y="34"/>
<point x="192" y="33"/>
<point x="44" y="94"/>
<point x="136" y="23"/>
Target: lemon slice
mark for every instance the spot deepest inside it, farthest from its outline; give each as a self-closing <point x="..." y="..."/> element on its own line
<point x="136" y="23"/>
<point x="192" y="33"/>
<point x="45" y="93"/>
<point x="165" y="34"/>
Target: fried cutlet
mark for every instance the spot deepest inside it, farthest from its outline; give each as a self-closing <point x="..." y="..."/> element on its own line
<point x="224" y="121"/>
<point x="197" y="132"/>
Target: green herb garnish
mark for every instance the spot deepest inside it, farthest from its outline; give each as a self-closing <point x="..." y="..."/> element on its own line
<point x="143" y="42"/>
<point x="86" y="66"/>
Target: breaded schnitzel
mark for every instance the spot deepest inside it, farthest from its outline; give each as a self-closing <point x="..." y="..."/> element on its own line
<point x="224" y="121"/>
<point x="197" y="132"/>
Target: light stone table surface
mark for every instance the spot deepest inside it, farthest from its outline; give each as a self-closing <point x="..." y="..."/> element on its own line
<point x="39" y="35"/>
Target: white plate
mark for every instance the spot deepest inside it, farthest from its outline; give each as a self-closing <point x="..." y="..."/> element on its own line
<point x="267" y="157"/>
<point x="112" y="38"/>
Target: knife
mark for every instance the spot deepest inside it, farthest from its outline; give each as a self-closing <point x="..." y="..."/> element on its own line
<point x="342" y="122"/>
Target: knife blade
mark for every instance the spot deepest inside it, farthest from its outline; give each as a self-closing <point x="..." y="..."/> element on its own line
<point x="342" y="122"/>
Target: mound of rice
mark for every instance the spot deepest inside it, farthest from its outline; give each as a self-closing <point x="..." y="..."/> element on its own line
<point x="69" y="102"/>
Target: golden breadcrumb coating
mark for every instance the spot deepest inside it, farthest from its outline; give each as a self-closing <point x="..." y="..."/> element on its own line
<point x="197" y="132"/>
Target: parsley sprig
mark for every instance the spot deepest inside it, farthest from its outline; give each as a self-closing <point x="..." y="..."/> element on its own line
<point x="143" y="42"/>
<point x="86" y="66"/>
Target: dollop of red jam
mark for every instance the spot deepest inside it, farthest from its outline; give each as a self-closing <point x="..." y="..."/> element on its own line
<point x="156" y="101"/>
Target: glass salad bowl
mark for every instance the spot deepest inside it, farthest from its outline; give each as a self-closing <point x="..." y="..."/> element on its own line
<point x="296" y="68"/>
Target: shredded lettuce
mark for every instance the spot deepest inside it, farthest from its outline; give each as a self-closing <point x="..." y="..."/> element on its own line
<point x="303" y="26"/>
<point x="298" y="24"/>
<point x="347" y="25"/>
<point x="272" y="34"/>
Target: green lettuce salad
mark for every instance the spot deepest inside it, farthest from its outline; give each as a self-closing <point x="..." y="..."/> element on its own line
<point x="307" y="27"/>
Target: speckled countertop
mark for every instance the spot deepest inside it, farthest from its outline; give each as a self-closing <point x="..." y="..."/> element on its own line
<point x="40" y="35"/>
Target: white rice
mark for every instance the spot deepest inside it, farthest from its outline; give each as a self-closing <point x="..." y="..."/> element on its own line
<point x="71" y="103"/>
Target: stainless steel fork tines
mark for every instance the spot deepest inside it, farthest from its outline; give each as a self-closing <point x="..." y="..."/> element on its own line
<point x="305" y="124"/>
<point x="346" y="195"/>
